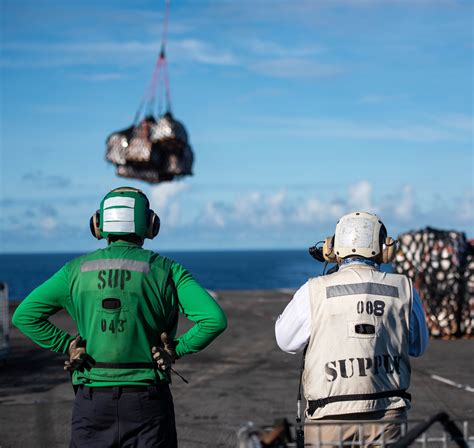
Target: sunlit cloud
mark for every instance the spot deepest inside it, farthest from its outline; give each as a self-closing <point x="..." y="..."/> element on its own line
<point x="39" y="179"/>
<point x="466" y="212"/>
<point x="286" y="213"/>
<point x="427" y="131"/>
<point x="280" y="210"/>
<point x="405" y="205"/>
<point x="48" y="224"/>
<point x="269" y="48"/>
<point x="202" y="52"/>
<point x="164" y="200"/>
<point x="127" y="52"/>
<point x="99" y="77"/>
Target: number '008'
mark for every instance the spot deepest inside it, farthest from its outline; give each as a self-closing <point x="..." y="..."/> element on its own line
<point x="377" y="308"/>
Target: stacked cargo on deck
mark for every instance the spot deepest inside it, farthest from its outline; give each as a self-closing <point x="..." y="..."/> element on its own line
<point x="441" y="265"/>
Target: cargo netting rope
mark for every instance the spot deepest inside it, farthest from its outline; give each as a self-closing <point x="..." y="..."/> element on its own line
<point x="441" y="266"/>
<point x="155" y="147"/>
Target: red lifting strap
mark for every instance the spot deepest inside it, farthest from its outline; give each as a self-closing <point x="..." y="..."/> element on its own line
<point x="161" y="66"/>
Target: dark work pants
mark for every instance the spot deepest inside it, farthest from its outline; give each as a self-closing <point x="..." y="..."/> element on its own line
<point x="119" y="419"/>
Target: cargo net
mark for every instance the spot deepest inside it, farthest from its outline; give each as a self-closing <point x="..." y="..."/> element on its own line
<point x="156" y="147"/>
<point x="441" y="266"/>
<point x="153" y="151"/>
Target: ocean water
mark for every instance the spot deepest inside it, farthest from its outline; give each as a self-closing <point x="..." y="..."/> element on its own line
<point x="262" y="269"/>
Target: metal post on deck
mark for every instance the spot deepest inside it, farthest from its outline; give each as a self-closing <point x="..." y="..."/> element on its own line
<point x="4" y="322"/>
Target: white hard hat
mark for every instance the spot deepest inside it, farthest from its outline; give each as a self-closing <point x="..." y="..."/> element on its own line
<point x="359" y="234"/>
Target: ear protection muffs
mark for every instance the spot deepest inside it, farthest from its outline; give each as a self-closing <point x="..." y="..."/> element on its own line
<point x="328" y="250"/>
<point x="389" y="249"/>
<point x="153" y="225"/>
<point x="94" y="224"/>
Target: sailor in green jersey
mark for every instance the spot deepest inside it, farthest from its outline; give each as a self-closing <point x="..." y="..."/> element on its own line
<point x="125" y="301"/>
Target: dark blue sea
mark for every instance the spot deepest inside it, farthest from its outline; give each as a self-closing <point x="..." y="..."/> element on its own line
<point x="214" y="270"/>
<point x="252" y="269"/>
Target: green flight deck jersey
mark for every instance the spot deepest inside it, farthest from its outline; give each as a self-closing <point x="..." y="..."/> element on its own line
<point x="122" y="298"/>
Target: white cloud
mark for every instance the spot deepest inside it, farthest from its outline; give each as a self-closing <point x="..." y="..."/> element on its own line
<point x="201" y="51"/>
<point x="270" y="48"/>
<point x="129" y="52"/>
<point x="461" y="122"/>
<point x="253" y="209"/>
<point x="466" y="212"/>
<point x="296" y="68"/>
<point x="49" y="224"/>
<point x="360" y="197"/>
<point x="265" y="92"/>
<point x="314" y="210"/>
<point x="164" y="201"/>
<point x="427" y="131"/>
<point x="83" y="47"/>
<point x="99" y="77"/>
<point x="404" y="207"/>
<point x="277" y="210"/>
<point x="284" y="212"/>
<point x="213" y="216"/>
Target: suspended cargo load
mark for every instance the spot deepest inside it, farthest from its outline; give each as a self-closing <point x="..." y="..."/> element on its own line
<point x="117" y="144"/>
<point x="135" y="171"/>
<point x="154" y="150"/>
<point x="139" y="149"/>
<point x="156" y="147"/>
<point x="438" y="262"/>
<point x="169" y="132"/>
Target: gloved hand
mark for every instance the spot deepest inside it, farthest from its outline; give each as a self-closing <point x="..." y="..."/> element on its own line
<point x="164" y="356"/>
<point x="77" y="355"/>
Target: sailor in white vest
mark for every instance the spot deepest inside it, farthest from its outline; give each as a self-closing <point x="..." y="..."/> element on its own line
<point x="360" y="326"/>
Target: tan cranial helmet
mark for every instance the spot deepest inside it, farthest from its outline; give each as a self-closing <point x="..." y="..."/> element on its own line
<point x="360" y="234"/>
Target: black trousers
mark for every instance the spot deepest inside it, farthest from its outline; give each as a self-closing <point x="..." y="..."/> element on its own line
<point x="121" y="418"/>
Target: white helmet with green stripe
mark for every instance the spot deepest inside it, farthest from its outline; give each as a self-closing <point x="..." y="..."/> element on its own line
<point x="125" y="211"/>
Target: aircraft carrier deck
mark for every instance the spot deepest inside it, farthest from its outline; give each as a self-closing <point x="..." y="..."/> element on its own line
<point x="242" y="376"/>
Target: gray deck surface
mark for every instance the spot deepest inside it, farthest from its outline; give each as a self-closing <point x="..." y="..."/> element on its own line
<point x="242" y="376"/>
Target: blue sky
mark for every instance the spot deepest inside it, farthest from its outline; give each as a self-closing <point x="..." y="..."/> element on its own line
<point x="298" y="112"/>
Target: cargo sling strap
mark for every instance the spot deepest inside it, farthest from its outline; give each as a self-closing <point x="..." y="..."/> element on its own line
<point x="321" y="402"/>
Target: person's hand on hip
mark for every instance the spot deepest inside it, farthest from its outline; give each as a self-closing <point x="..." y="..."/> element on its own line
<point x="164" y="355"/>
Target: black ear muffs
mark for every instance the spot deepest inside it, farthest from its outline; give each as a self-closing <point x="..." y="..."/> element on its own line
<point x="389" y="249"/>
<point x="94" y="224"/>
<point x="153" y="225"/>
<point x="328" y="250"/>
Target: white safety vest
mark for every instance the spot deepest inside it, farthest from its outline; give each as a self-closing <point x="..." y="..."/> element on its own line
<point x="358" y="348"/>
